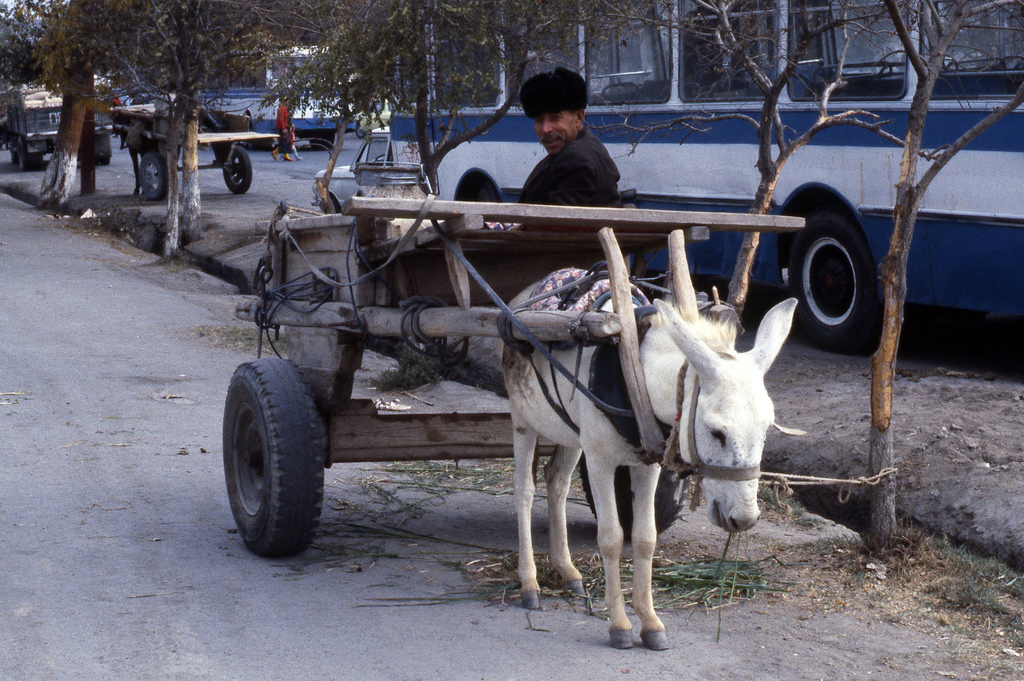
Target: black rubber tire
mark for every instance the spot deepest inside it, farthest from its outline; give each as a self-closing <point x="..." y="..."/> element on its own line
<point x="103" y="150"/>
<point x="238" y="171"/>
<point x="153" y="175"/>
<point x="669" y="497"/>
<point x="274" y="453"/>
<point x="26" y="160"/>
<point x="832" y="274"/>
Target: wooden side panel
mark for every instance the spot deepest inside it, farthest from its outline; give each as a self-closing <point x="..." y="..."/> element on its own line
<point x="329" y="360"/>
<point x="362" y="437"/>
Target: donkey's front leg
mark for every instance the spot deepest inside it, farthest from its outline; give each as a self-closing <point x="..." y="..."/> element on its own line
<point x="558" y="475"/>
<point x="609" y="540"/>
<point x="524" y="443"/>
<point x="645" y="534"/>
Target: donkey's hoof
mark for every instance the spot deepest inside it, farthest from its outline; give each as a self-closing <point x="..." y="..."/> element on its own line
<point x="621" y="638"/>
<point x="576" y="587"/>
<point x="531" y="600"/>
<point x="654" y="640"/>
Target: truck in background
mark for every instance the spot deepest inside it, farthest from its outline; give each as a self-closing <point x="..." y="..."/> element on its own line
<point x="29" y="128"/>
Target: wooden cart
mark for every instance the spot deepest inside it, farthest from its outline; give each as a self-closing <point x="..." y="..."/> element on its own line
<point x="285" y="420"/>
<point x="150" y="146"/>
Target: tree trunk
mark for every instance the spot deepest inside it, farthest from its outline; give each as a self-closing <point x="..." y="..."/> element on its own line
<point x="739" y="284"/>
<point x="769" y="169"/>
<point x="192" y="213"/>
<point x="173" y="242"/>
<point x="323" y="183"/>
<point x="894" y="294"/>
<point x="59" y="180"/>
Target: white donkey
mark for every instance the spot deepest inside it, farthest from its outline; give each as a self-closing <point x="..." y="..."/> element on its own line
<point x="722" y="434"/>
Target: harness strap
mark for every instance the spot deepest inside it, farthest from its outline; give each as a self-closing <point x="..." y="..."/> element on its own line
<point x="521" y="328"/>
<point x="556" y="407"/>
<point x="687" y="394"/>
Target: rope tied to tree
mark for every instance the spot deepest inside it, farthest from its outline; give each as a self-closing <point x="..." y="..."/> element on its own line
<point x="782" y="483"/>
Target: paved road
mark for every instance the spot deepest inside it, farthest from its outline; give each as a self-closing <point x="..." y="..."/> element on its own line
<point x="118" y="557"/>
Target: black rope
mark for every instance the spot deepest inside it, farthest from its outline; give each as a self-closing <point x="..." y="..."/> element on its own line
<point x="417" y="341"/>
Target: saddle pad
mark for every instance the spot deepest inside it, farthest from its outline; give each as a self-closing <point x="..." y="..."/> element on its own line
<point x="591" y="299"/>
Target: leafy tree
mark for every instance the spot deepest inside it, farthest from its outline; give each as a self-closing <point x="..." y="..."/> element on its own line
<point x="65" y="36"/>
<point x="429" y="59"/>
<point x="19" y="35"/>
<point x="176" y="52"/>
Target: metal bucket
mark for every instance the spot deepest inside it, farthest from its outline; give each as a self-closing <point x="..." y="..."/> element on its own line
<point x="378" y="179"/>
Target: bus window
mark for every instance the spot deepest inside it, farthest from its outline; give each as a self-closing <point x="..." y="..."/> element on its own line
<point x="559" y="50"/>
<point x="986" y="58"/>
<point x="864" y="42"/>
<point x="711" y="73"/>
<point x="629" y="63"/>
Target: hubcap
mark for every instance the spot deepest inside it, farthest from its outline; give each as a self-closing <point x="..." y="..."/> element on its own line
<point x="829" y="281"/>
<point x="249" y="472"/>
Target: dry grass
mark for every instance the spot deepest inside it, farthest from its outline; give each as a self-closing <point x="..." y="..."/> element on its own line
<point x="977" y="604"/>
<point x="974" y="603"/>
<point x="231" y="337"/>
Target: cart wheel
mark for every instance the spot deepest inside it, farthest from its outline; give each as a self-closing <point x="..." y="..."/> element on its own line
<point x="668" y="497"/>
<point x="153" y="175"/>
<point x="274" y="450"/>
<point x="238" y="171"/>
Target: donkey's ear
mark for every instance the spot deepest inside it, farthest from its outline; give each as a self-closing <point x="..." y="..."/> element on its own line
<point x="703" y="359"/>
<point x="772" y="334"/>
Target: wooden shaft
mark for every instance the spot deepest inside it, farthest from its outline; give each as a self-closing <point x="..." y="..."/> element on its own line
<point x="683" y="295"/>
<point x="629" y="344"/>
<point x="440" y="322"/>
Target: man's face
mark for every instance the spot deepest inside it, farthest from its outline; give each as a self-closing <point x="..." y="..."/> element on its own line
<point x="555" y="130"/>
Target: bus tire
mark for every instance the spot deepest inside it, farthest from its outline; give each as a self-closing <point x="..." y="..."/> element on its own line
<point x="153" y="176"/>
<point x="669" y="497"/>
<point x="238" y="171"/>
<point x="832" y="274"/>
<point x="274" y="452"/>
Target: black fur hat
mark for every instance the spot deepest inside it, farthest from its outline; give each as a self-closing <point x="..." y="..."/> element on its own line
<point x="558" y="90"/>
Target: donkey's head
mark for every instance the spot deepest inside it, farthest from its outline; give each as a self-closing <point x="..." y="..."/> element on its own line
<point x="726" y="412"/>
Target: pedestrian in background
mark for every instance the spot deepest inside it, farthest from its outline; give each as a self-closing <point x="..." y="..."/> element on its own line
<point x="282" y="125"/>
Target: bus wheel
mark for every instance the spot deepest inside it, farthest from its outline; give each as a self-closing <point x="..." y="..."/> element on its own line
<point x="832" y="274"/>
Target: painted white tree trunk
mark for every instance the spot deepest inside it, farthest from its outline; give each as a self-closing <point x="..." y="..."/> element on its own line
<point x="173" y="242"/>
<point x="192" y="212"/>
<point x="59" y="180"/>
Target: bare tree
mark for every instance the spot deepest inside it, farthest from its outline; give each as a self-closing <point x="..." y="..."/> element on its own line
<point x="946" y="31"/>
<point x="737" y="45"/>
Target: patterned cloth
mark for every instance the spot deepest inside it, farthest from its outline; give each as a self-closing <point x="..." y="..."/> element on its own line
<point x="570" y="300"/>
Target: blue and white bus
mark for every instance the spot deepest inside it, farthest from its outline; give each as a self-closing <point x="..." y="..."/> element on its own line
<point x="968" y="246"/>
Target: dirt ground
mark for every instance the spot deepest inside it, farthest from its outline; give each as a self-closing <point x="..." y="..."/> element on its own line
<point x="907" y="615"/>
<point x="958" y="418"/>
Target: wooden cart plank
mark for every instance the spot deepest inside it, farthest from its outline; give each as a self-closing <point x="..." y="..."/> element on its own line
<point x="578" y="217"/>
<point x="227" y="137"/>
<point x="365" y="437"/>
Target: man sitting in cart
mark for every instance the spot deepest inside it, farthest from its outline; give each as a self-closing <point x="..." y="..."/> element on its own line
<point x="578" y="171"/>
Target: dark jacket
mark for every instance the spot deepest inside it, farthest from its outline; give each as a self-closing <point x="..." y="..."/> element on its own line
<point x="581" y="174"/>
